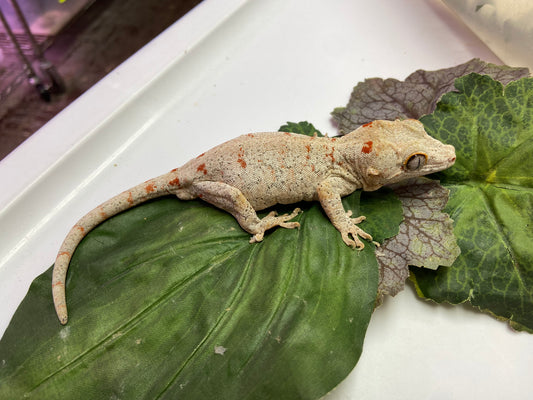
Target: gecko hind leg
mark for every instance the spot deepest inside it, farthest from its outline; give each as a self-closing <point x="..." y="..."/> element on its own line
<point x="232" y="200"/>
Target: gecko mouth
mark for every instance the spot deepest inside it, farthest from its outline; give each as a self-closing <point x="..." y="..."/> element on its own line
<point x="444" y="164"/>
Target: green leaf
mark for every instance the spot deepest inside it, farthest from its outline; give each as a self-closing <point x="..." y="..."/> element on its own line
<point x="169" y="300"/>
<point x="391" y="99"/>
<point x="425" y="239"/>
<point x="302" y="127"/>
<point x="491" y="198"/>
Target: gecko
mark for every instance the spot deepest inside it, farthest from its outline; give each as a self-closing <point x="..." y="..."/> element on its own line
<point x="258" y="170"/>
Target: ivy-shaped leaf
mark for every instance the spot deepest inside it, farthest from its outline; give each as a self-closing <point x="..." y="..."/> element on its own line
<point x="425" y="238"/>
<point x="302" y="127"/>
<point x="391" y="99"/>
<point x="170" y="300"/>
<point x="491" y="197"/>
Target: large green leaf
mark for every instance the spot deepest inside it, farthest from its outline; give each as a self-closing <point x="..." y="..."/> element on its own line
<point x="169" y="300"/>
<point x="491" y="198"/>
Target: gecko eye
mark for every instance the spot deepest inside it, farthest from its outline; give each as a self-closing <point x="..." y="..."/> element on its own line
<point x="415" y="162"/>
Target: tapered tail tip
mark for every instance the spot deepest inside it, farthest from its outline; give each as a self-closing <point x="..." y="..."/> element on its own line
<point x="62" y="315"/>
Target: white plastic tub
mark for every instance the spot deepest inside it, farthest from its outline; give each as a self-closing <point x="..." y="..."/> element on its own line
<point x="232" y="67"/>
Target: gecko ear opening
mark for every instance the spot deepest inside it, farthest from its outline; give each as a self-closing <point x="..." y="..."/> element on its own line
<point x="372" y="171"/>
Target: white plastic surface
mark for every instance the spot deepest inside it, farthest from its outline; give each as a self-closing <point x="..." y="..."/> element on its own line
<point x="232" y="67"/>
<point x="506" y="27"/>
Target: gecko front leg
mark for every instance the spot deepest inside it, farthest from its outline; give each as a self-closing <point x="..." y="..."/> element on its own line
<point x="232" y="200"/>
<point x="330" y="199"/>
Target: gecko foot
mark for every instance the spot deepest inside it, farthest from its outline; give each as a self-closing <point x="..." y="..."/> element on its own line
<point x="350" y="232"/>
<point x="272" y="220"/>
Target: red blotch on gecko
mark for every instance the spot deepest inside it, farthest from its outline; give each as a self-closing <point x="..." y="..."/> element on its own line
<point x="150" y="188"/>
<point x="174" y="182"/>
<point x="367" y="147"/>
<point x="308" y="148"/>
<point x="331" y="155"/>
<point x="201" y="168"/>
<point x="241" y="160"/>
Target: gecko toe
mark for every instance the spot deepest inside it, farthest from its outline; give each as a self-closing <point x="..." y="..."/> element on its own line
<point x="290" y="225"/>
<point x="258" y="237"/>
<point x="272" y="220"/>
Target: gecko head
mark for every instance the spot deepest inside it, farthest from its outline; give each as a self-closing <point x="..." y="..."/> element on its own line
<point x="392" y="151"/>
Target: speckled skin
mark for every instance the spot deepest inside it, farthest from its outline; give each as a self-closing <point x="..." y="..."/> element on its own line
<point x="255" y="171"/>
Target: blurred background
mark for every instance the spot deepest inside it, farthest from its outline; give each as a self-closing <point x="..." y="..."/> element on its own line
<point x="81" y="41"/>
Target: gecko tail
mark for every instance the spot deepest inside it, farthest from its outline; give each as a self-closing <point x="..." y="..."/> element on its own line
<point x="148" y="190"/>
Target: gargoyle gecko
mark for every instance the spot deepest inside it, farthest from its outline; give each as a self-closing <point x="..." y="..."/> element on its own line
<point x="255" y="171"/>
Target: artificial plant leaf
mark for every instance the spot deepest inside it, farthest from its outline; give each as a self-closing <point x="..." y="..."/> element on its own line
<point x="169" y="300"/>
<point x="302" y="127"/>
<point x="491" y="197"/>
<point x="425" y="239"/>
<point x="390" y="99"/>
<point x="382" y="208"/>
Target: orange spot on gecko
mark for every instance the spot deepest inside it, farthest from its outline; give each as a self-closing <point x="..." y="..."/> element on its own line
<point x="174" y="182"/>
<point x="150" y="188"/>
<point x="201" y="168"/>
<point x="64" y="253"/>
<point x="240" y="160"/>
<point x="367" y="147"/>
<point x="58" y="284"/>
<point x="331" y="154"/>
<point x="250" y="135"/>
<point x="287" y="133"/>
<point x="308" y="148"/>
<point x="174" y="170"/>
<point x="80" y="228"/>
<point x="130" y="198"/>
<point x="201" y="155"/>
<point x="368" y="124"/>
